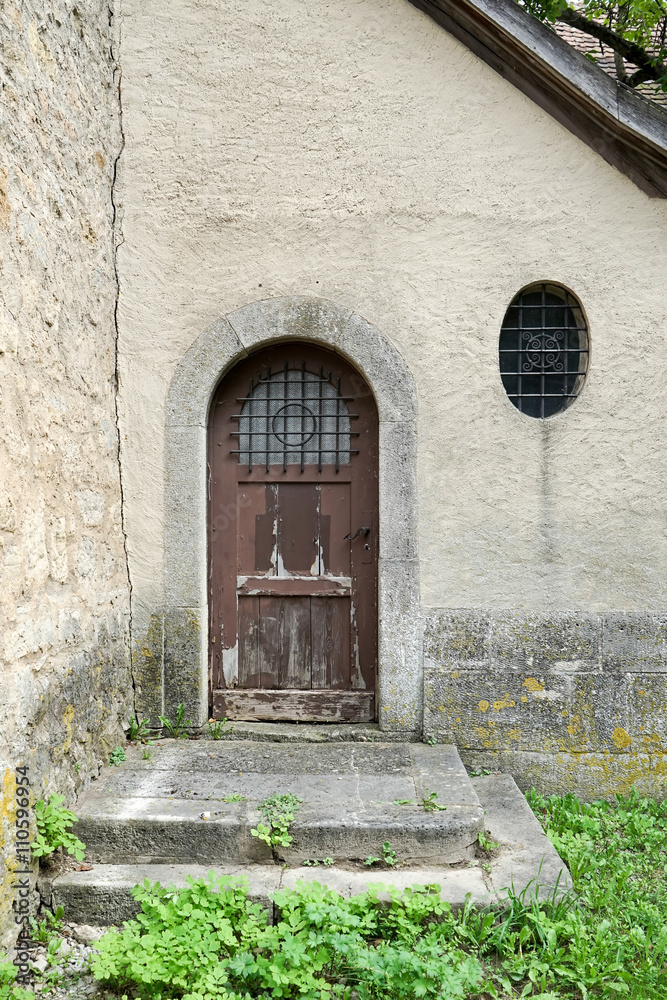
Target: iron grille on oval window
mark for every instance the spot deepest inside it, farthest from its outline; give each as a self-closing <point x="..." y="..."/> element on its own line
<point x="543" y="350"/>
<point x="294" y="417"/>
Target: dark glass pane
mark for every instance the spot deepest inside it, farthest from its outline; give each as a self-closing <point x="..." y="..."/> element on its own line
<point x="531" y="385"/>
<point x="556" y="384"/>
<point x="551" y="406"/>
<point x="509" y="340"/>
<point x="529" y="298"/>
<point x="555" y="317"/>
<point x="531" y="406"/>
<point x="511" y="320"/>
<point x="509" y="362"/>
<point x="531" y="319"/>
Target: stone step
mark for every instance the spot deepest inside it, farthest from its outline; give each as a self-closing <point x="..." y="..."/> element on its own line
<point x="313" y="732"/>
<point x="524" y="860"/>
<point x="198" y="801"/>
<point x="103" y="896"/>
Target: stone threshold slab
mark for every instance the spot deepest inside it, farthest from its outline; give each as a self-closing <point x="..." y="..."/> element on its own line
<point x="199" y="801"/>
<point x="314" y="732"/>
<point x="525" y="861"/>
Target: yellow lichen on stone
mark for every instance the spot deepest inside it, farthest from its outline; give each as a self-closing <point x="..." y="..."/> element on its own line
<point x="7" y="821"/>
<point x="621" y="739"/>
<point x="68" y="718"/>
<point x="483" y="705"/>
<point x="504" y="702"/>
<point x="533" y="685"/>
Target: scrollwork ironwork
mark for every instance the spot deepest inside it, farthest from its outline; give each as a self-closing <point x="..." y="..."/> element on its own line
<point x="543" y="350"/>
<point x="543" y="353"/>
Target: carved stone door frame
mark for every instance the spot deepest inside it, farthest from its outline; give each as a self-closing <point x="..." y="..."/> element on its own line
<point x="170" y="635"/>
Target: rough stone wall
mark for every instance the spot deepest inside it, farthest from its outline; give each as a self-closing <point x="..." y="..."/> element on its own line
<point x="564" y="701"/>
<point x="64" y="671"/>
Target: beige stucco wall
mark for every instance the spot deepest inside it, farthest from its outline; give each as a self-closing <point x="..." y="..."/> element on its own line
<point x="65" y="684"/>
<point x="356" y="152"/>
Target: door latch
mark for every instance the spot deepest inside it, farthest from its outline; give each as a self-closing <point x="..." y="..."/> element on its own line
<point x="359" y="531"/>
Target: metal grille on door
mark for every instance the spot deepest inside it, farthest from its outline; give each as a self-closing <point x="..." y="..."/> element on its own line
<point x="294" y="417"/>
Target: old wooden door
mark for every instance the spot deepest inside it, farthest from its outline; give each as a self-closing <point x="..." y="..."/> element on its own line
<point x="293" y="533"/>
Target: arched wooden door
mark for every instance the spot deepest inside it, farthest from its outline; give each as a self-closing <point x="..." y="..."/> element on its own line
<point x="293" y="536"/>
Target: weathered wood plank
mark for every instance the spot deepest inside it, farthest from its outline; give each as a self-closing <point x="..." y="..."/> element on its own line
<point x="248" y="642"/>
<point x="335" y="524"/>
<point x="290" y="587"/>
<point x="330" y="637"/>
<point x="298" y="528"/>
<point x="284" y="642"/>
<point x="293" y="706"/>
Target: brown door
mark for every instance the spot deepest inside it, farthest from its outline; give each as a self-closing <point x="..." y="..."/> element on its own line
<point x="293" y="536"/>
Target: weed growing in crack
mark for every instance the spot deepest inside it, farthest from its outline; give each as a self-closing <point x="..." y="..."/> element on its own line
<point x="278" y="813"/>
<point x="44" y="930"/>
<point x="219" y="728"/>
<point x="388" y="855"/>
<point x="485" y="843"/>
<point x="117" y="756"/>
<point x="429" y="804"/>
<point x="139" y="731"/>
<point x="176" y="729"/>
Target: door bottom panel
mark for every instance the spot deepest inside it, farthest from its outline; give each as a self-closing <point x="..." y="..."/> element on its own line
<point x="294" y="706"/>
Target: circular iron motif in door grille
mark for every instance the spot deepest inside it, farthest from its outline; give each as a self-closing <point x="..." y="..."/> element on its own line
<point x="294" y="417"/>
<point x="543" y="350"/>
<point x="290" y="437"/>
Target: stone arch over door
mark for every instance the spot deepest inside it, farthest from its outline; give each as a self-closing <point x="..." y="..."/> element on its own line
<point x="185" y="615"/>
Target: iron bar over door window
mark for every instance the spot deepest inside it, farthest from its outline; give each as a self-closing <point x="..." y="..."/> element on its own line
<point x="294" y="417"/>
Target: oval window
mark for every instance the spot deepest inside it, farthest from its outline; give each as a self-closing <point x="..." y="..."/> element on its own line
<point x="543" y="350"/>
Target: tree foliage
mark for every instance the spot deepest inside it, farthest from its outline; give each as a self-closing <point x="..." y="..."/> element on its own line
<point x="636" y="32"/>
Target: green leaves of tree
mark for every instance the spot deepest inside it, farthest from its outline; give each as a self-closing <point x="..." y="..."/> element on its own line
<point x="636" y="30"/>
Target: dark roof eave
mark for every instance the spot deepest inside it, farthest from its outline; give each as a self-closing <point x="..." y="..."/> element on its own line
<point x="626" y="130"/>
